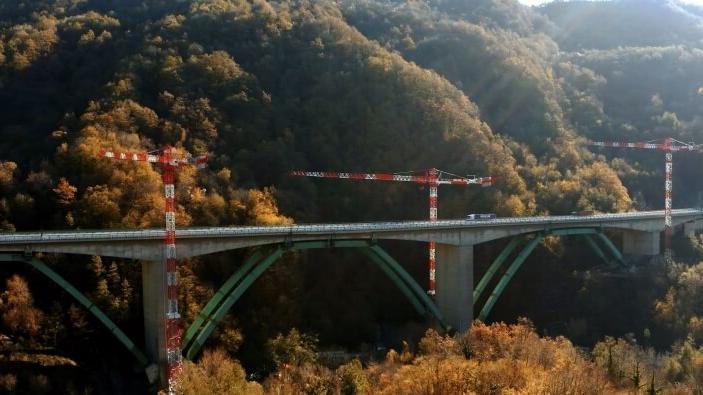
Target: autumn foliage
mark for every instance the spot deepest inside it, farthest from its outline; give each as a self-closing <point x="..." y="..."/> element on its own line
<point x="488" y="359"/>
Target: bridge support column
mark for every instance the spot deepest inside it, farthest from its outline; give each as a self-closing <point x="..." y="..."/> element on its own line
<point x="689" y="228"/>
<point x="640" y="243"/>
<point x="154" y="297"/>
<point x="455" y="279"/>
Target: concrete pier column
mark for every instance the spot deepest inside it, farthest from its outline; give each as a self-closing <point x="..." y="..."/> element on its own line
<point x="640" y="243"/>
<point x="154" y="296"/>
<point x="455" y="279"/>
<point x="689" y="228"/>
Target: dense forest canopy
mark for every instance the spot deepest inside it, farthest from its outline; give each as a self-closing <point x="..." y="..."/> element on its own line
<point x="482" y="87"/>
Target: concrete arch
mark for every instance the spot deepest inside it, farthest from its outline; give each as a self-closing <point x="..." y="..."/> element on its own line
<point x="83" y="300"/>
<point x="228" y="294"/>
<point x="525" y="253"/>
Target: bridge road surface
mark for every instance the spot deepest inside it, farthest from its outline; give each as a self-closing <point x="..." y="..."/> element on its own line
<point x="147" y="244"/>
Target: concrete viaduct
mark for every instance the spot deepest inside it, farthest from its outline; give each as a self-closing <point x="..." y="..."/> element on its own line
<point x="455" y="240"/>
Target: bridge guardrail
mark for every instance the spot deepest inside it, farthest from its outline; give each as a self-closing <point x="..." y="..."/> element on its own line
<point x="103" y="235"/>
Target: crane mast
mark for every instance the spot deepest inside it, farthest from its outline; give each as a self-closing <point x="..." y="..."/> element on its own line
<point x="431" y="177"/>
<point x="173" y="328"/>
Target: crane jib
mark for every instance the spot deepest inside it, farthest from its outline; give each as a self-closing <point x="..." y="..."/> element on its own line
<point x="669" y="145"/>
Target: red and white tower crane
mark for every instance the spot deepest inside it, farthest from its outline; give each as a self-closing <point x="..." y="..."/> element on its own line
<point x="669" y="146"/>
<point x="431" y="177"/>
<point x="169" y="163"/>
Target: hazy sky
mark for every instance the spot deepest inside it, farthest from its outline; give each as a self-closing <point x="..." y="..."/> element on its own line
<point x="535" y="2"/>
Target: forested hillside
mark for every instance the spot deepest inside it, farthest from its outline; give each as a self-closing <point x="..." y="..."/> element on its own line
<point x="624" y="23"/>
<point x="484" y="87"/>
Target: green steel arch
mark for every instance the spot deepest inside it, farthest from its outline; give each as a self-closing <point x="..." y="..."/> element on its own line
<point x="525" y="252"/>
<point x="95" y="310"/>
<point x="235" y="286"/>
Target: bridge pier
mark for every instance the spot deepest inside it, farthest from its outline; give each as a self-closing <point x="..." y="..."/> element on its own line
<point x="455" y="279"/>
<point x="640" y="243"/>
<point x="154" y="298"/>
<point x="689" y="228"/>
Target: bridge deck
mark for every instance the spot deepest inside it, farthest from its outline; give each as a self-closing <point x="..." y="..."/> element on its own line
<point x="605" y="220"/>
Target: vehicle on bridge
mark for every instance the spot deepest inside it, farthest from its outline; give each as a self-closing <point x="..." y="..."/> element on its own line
<point x="480" y="217"/>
